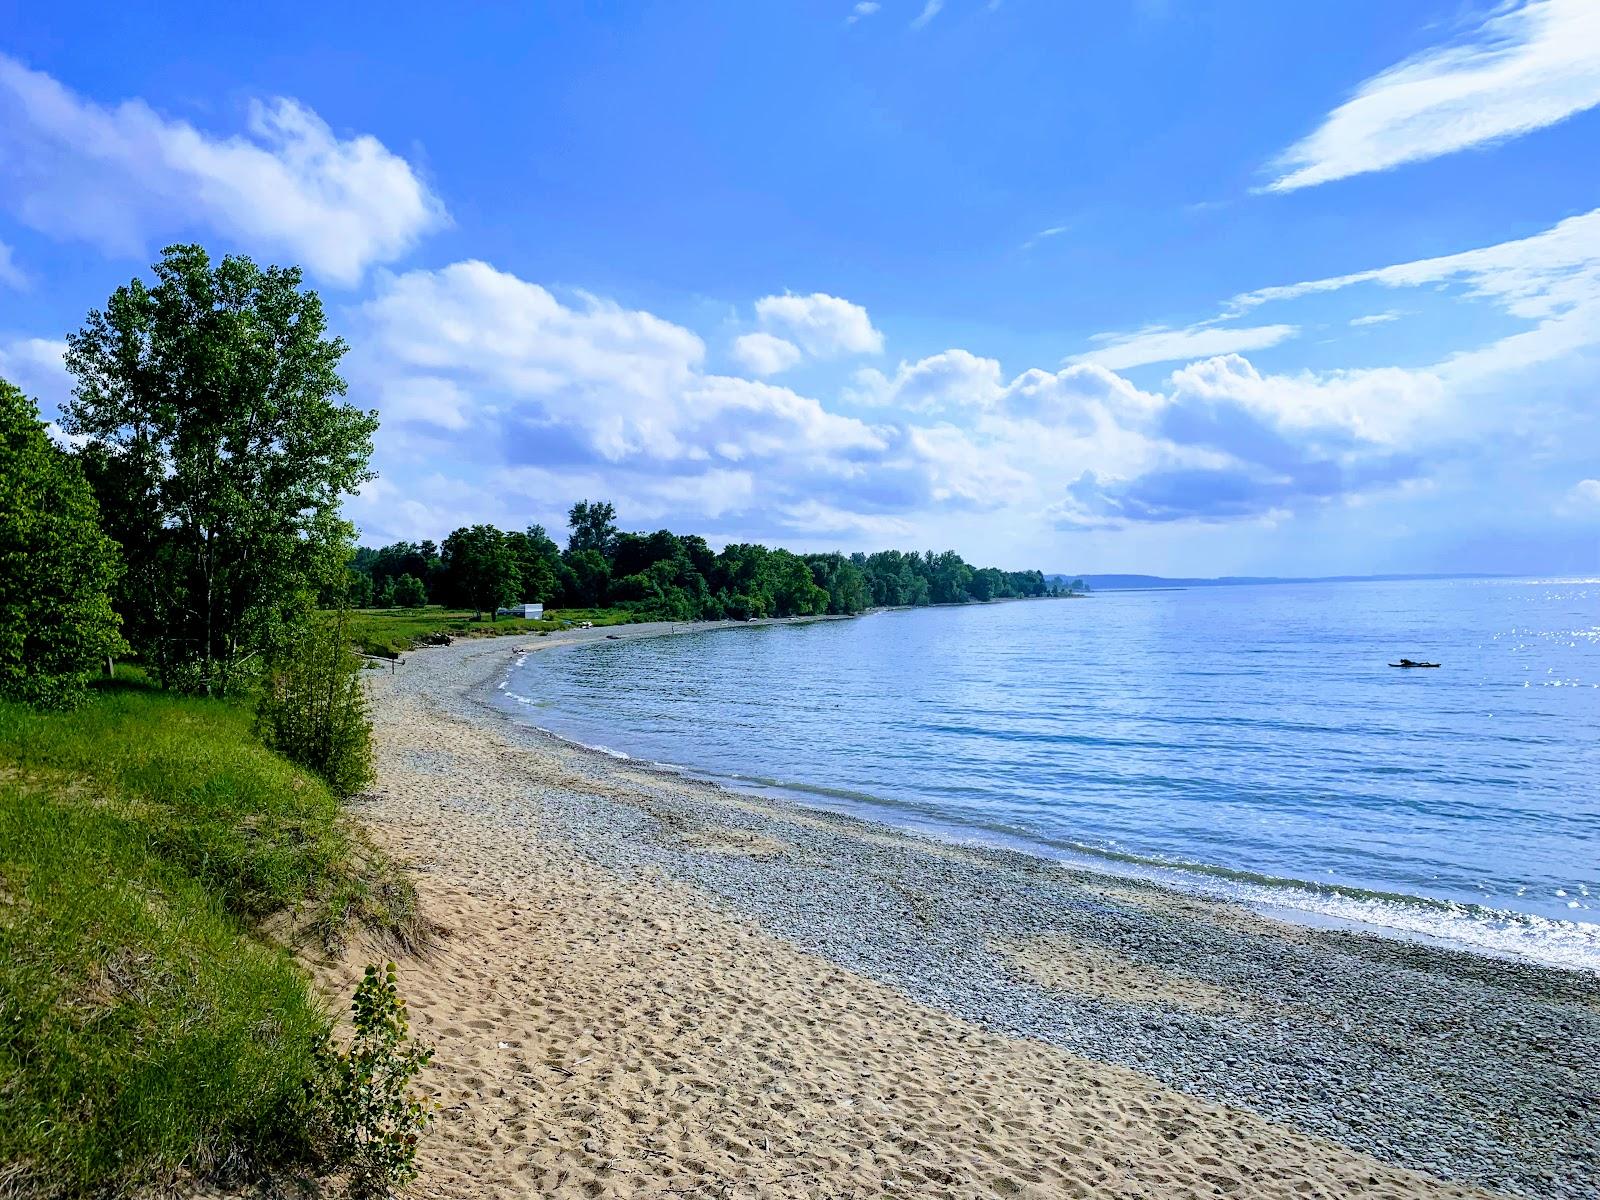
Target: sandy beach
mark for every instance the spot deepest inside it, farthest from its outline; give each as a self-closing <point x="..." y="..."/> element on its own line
<point x="645" y="986"/>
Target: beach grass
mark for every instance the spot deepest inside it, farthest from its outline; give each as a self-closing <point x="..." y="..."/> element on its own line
<point x="147" y="1029"/>
<point x="390" y="632"/>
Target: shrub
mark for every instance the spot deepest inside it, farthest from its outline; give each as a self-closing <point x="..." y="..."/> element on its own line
<point x="56" y="566"/>
<point x="362" y="1093"/>
<point x="313" y="710"/>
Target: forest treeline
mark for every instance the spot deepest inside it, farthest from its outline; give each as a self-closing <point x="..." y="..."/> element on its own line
<point x="664" y="575"/>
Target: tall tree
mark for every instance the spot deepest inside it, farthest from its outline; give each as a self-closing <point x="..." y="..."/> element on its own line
<point x="594" y="527"/>
<point x="480" y="568"/>
<point x="538" y="563"/>
<point x="56" y="566"/>
<point x="219" y="448"/>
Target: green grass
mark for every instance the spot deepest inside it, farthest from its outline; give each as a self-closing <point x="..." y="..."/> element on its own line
<point x="146" y="1029"/>
<point x="389" y="632"/>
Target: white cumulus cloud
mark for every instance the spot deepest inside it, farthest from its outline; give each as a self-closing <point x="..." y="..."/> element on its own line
<point x="123" y="176"/>
<point x="1527" y="66"/>
<point x="35" y="365"/>
<point x="949" y="381"/>
<point x="824" y="326"/>
<point x="470" y="346"/>
<point x="1383" y="405"/>
<point x="765" y="353"/>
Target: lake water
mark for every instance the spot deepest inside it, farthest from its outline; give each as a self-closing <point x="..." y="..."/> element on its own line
<point x="1242" y="741"/>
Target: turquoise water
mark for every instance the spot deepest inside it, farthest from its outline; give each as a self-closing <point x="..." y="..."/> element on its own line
<point x="1247" y="741"/>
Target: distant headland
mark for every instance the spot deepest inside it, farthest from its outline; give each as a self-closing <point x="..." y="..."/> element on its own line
<point x="1132" y="583"/>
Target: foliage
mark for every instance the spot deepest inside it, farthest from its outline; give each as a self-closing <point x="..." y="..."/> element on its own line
<point x="219" y="452"/>
<point x="144" y="1030"/>
<point x="675" y="577"/>
<point x="479" y="568"/>
<point x="594" y="528"/>
<point x="56" y="566"/>
<point x="313" y="707"/>
<point x="538" y="563"/>
<point x="261" y="834"/>
<point x="418" y="559"/>
<point x="409" y="592"/>
<point x="392" y="632"/>
<point x="588" y="579"/>
<point x="362" y="1093"/>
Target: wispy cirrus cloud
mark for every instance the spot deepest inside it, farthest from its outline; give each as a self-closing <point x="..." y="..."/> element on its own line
<point x="123" y="176"/>
<point x="930" y="10"/>
<point x="862" y="10"/>
<point x="1045" y="235"/>
<point x="1551" y="279"/>
<point x="1527" y="66"/>
<point x="10" y="274"/>
<point x="1119" y="351"/>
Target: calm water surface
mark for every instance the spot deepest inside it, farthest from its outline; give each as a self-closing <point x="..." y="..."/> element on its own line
<point x="1247" y="741"/>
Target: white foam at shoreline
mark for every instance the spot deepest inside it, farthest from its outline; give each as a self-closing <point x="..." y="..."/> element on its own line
<point x="1570" y="945"/>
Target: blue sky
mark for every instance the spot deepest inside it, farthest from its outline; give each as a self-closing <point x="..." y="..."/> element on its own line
<point x="1157" y="286"/>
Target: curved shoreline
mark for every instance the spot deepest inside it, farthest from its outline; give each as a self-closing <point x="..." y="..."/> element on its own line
<point x="1439" y="1060"/>
<point x="1440" y="923"/>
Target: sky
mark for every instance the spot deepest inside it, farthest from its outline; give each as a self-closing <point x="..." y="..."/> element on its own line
<point x="1158" y="286"/>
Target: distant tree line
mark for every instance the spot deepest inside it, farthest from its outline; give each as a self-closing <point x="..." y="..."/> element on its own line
<point x="197" y="522"/>
<point x="664" y="575"/>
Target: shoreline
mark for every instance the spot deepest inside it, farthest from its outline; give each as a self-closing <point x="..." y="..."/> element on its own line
<point x="1207" y="1002"/>
<point x="1502" y="934"/>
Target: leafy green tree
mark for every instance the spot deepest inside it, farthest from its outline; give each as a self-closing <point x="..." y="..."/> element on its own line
<point x="220" y="452"/>
<point x="594" y="527"/>
<point x="794" y="593"/>
<point x="56" y="566"/>
<point x="359" y="592"/>
<point x="538" y="563"/>
<point x="948" y="577"/>
<point x="481" y="569"/>
<point x="843" y="580"/>
<point x="409" y="592"/>
<point x="589" y="578"/>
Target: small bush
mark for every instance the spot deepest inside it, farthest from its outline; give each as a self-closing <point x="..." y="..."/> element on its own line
<point x="362" y="1093"/>
<point x="313" y="710"/>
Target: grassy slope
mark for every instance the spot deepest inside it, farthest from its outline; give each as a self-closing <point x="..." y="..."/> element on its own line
<point x="388" y="632"/>
<point x="145" y="1030"/>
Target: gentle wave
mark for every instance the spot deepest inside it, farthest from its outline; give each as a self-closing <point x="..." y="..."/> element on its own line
<point x="1342" y="794"/>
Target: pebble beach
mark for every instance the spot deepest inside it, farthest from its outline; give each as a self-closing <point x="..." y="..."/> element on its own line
<point x="646" y="985"/>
